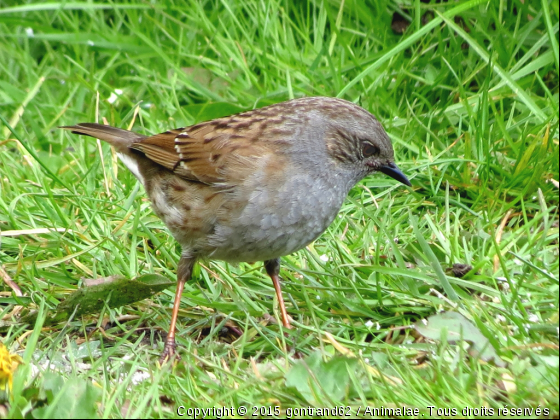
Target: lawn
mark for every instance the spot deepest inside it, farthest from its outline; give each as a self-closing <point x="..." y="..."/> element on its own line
<point x="439" y="300"/>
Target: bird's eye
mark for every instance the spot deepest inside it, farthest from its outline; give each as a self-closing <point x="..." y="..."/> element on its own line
<point x="369" y="149"/>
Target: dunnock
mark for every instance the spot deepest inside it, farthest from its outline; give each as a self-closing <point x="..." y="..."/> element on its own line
<point x="253" y="186"/>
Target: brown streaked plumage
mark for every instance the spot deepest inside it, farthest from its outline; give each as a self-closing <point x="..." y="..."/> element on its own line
<point x="256" y="185"/>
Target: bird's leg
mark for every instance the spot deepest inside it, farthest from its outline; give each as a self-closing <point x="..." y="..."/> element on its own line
<point x="184" y="273"/>
<point x="273" y="269"/>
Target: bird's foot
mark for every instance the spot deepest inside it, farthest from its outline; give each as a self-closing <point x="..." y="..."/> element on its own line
<point x="169" y="351"/>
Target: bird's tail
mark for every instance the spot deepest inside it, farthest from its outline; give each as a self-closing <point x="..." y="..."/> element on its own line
<point x="120" y="139"/>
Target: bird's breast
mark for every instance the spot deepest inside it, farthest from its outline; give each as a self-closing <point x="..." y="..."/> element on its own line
<point x="262" y="218"/>
<point x="277" y="219"/>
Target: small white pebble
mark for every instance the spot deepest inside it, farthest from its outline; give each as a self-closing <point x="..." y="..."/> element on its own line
<point x="35" y="370"/>
<point x="369" y="323"/>
<point x="533" y="318"/>
<point x="324" y="258"/>
<point x="139" y="377"/>
<point x="29" y="32"/>
<point x="83" y="366"/>
<point x="114" y="96"/>
<point x="500" y="318"/>
<point x="112" y="99"/>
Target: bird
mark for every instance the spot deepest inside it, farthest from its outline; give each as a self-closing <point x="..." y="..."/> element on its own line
<point x="254" y="186"/>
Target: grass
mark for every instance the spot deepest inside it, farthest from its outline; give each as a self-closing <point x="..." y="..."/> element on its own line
<point x="468" y="94"/>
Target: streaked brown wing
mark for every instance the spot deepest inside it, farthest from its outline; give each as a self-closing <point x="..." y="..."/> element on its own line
<point x="219" y="151"/>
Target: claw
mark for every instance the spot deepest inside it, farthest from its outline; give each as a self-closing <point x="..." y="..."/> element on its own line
<point x="169" y="351"/>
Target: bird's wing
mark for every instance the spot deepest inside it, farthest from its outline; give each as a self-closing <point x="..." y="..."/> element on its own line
<point x="222" y="151"/>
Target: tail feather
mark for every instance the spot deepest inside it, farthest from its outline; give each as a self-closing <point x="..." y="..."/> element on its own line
<point x="117" y="137"/>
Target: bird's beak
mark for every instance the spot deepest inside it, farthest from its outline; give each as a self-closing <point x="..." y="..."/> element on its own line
<point x="394" y="172"/>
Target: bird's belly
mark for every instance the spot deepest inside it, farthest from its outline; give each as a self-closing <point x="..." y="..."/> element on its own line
<point x="238" y="244"/>
<point x="256" y="224"/>
<point x="276" y="222"/>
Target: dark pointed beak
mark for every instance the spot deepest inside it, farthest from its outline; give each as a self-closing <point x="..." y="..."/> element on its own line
<point x="394" y="172"/>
